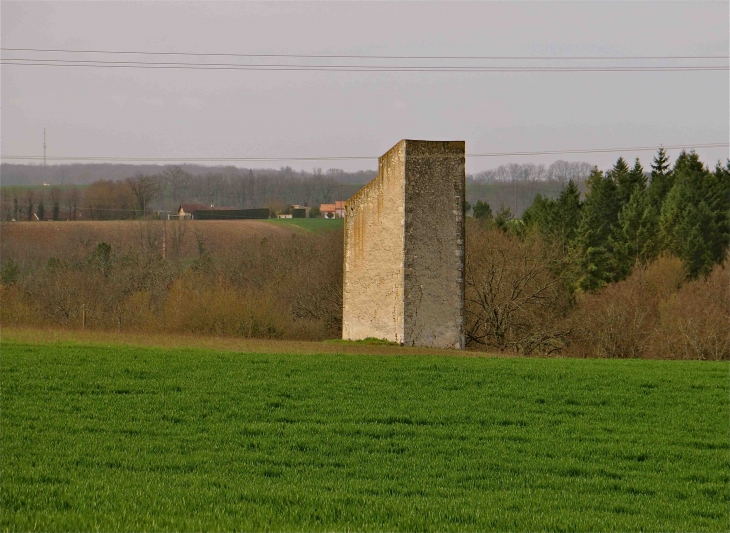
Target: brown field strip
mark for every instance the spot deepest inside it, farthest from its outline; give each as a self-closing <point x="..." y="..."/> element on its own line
<point x="230" y="344"/>
<point x="60" y="239"/>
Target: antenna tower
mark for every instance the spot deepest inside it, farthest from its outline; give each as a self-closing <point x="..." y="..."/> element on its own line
<point x="45" y="169"/>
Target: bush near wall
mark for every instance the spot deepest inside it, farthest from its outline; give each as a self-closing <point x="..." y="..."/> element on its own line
<point x="289" y="286"/>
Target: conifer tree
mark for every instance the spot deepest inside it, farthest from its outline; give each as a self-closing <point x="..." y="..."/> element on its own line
<point x="482" y="210"/>
<point x="504" y="217"/>
<point x="694" y="217"/>
<point x="540" y="214"/>
<point x="620" y="174"/>
<point x="557" y="219"/>
<point x="568" y="211"/>
<point x="591" y="249"/>
<point x="662" y="179"/>
<point x="635" y="240"/>
<point x="628" y="181"/>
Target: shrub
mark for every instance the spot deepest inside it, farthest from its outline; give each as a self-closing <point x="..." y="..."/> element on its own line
<point x="514" y="298"/>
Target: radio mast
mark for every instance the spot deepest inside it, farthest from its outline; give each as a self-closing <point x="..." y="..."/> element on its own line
<point x="45" y="169"/>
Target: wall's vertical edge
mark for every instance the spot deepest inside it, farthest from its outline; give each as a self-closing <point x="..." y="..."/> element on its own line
<point x="434" y="244"/>
<point x="373" y="292"/>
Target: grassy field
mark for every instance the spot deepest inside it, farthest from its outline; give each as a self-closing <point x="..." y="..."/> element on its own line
<point x="115" y="437"/>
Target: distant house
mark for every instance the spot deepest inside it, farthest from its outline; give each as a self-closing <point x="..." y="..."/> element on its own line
<point x="300" y="211"/>
<point x="336" y="210"/>
<point x="185" y="211"/>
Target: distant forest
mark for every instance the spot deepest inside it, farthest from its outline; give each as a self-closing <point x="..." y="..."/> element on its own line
<point x="104" y="191"/>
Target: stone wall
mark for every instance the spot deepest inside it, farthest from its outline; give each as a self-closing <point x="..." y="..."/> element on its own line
<point x="404" y="248"/>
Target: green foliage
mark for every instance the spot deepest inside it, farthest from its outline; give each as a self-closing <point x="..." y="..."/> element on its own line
<point x="504" y="218"/>
<point x="662" y="179"/>
<point x="315" y="212"/>
<point x="627" y="184"/>
<point x="540" y="214"/>
<point x="694" y="217"/>
<point x="636" y="237"/>
<point x="101" y="257"/>
<point x="467" y="207"/>
<point x="558" y="219"/>
<point x="591" y="249"/>
<point x="114" y="438"/>
<point x="482" y="211"/>
<point x="9" y="272"/>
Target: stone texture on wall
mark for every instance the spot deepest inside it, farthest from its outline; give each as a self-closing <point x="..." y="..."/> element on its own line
<point x="404" y="248"/>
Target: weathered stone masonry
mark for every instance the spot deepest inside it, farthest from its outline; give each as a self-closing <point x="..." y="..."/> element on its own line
<point x="404" y="248"/>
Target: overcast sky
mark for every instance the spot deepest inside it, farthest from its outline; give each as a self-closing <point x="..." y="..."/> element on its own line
<point x="237" y="113"/>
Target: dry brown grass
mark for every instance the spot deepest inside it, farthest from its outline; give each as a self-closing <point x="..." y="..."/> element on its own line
<point x="32" y="335"/>
<point x="32" y="243"/>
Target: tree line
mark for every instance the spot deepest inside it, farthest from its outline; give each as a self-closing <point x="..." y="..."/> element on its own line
<point x="627" y="220"/>
<point x="135" y="191"/>
<point x="635" y="267"/>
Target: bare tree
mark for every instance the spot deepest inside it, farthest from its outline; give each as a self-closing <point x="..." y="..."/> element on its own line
<point x="514" y="299"/>
<point x="55" y="195"/>
<point x="145" y="190"/>
<point x="30" y="197"/>
<point x="73" y="198"/>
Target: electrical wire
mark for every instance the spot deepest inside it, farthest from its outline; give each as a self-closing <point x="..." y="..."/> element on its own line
<point x="342" y="68"/>
<point x="353" y="56"/>
<point x="353" y="158"/>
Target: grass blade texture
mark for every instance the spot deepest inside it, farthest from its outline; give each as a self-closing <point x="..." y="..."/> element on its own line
<point x="124" y="438"/>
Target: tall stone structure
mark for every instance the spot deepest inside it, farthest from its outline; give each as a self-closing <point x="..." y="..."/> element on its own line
<point x="404" y="248"/>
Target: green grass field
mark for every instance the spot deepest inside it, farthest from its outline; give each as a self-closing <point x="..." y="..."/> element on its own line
<point x="311" y="224"/>
<point x="128" y="438"/>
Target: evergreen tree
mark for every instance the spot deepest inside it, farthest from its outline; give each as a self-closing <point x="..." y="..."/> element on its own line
<point x="694" y="217"/>
<point x="620" y="175"/>
<point x="567" y="213"/>
<point x="540" y="214"/>
<point x="662" y="179"/>
<point x="559" y="219"/>
<point x="628" y="181"/>
<point x="482" y="210"/>
<point x="504" y="217"/>
<point x="636" y="239"/>
<point x="591" y="249"/>
<point x="41" y="212"/>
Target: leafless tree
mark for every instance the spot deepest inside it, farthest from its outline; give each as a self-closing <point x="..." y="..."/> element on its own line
<point x="73" y="197"/>
<point x="55" y="195"/>
<point x="145" y="190"/>
<point x="514" y="300"/>
<point x="30" y="198"/>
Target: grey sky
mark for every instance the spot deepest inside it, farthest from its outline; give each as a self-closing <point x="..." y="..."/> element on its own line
<point x="192" y="113"/>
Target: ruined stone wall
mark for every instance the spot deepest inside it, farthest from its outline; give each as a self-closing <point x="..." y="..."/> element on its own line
<point x="434" y="251"/>
<point x="404" y="248"/>
<point x="374" y="249"/>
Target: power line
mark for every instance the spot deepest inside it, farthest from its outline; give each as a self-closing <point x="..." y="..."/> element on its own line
<point x="345" y="68"/>
<point x="323" y="68"/>
<point x="355" y="56"/>
<point x="355" y="158"/>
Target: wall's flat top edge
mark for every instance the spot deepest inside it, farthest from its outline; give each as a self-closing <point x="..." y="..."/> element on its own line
<point x="365" y="190"/>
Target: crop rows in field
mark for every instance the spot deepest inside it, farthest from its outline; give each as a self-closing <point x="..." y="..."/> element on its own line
<point x="143" y="438"/>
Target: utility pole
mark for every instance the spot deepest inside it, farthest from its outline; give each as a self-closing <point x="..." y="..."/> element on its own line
<point x="44" y="149"/>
